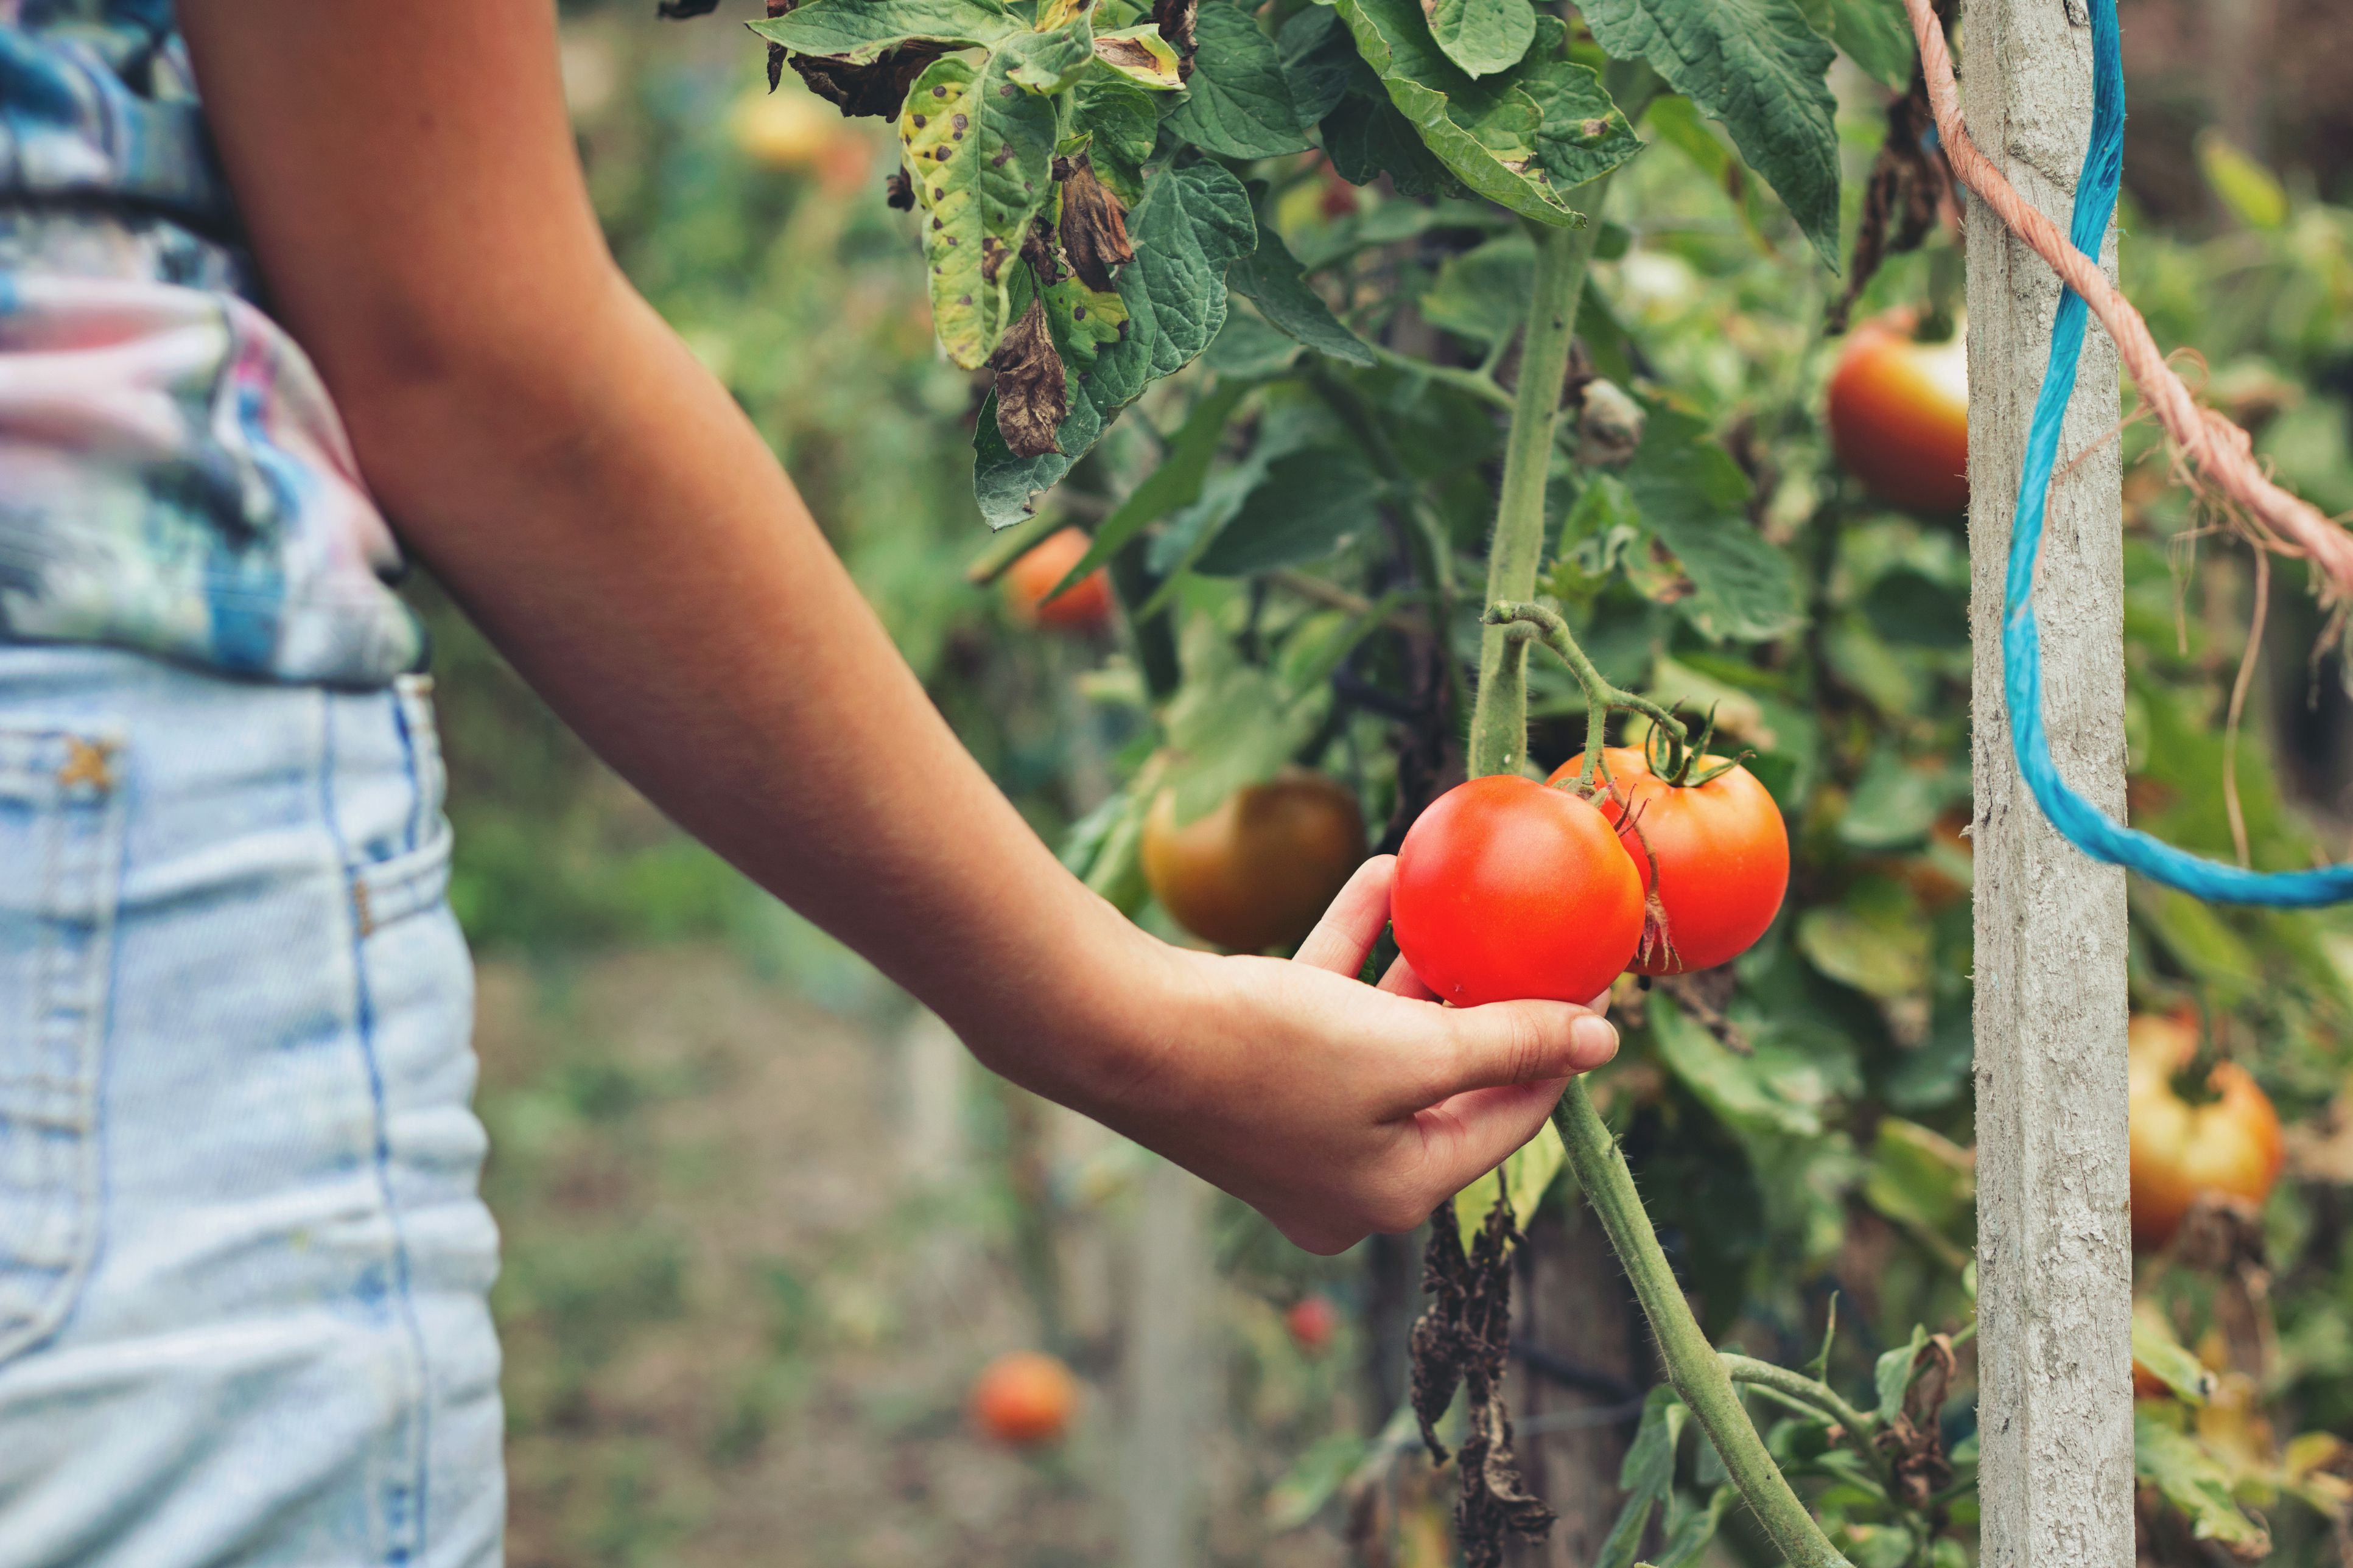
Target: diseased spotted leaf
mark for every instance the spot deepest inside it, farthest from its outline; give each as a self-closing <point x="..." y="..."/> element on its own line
<point x="1757" y="67"/>
<point x="1584" y="134"/>
<point x="1193" y="222"/>
<point x="1491" y="131"/>
<point x="1270" y="278"/>
<point x="1049" y="61"/>
<point x="1031" y="392"/>
<point x="1143" y="57"/>
<point x="1083" y="321"/>
<point x="980" y="152"/>
<point x="858" y="32"/>
<point x="1238" y="104"/>
<point x="1482" y="37"/>
<point x="1093" y="227"/>
<point x="1174" y="18"/>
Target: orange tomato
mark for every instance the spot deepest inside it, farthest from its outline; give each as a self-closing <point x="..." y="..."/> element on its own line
<point x="2228" y="1144"/>
<point x="1900" y="415"/>
<point x="1086" y="607"/>
<point x="1258" y="871"/>
<point x="1025" y="1398"/>
<point x="1720" y="853"/>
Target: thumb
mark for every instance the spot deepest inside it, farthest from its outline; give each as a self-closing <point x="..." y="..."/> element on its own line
<point x="1508" y="1043"/>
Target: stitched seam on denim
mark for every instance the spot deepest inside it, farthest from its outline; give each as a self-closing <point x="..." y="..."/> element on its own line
<point x="400" y="724"/>
<point x="411" y="1549"/>
<point x="66" y="1182"/>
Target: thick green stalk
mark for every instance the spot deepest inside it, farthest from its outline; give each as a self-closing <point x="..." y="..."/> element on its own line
<point x="1692" y="1366"/>
<point x="1499" y="723"/>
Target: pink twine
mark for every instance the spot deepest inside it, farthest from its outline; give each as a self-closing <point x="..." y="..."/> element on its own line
<point x="2221" y="452"/>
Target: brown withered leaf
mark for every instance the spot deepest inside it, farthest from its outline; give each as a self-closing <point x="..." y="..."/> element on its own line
<point x="1175" y="20"/>
<point x="1910" y="188"/>
<point x="1913" y="1441"/>
<point x="1094" y="227"/>
<point x="876" y="89"/>
<point x="1038" y="250"/>
<point x="1465" y="1338"/>
<point x="1033" y="394"/>
<point x="898" y="190"/>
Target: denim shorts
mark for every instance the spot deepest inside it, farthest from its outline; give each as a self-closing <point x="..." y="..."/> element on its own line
<point x="243" y="1263"/>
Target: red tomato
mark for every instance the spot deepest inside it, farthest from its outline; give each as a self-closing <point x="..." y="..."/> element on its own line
<point x="1505" y="889"/>
<point x="2180" y="1150"/>
<point x="1721" y="859"/>
<point x="1258" y="871"/>
<point x="1025" y="1397"/>
<point x="1085" y="609"/>
<point x="1313" y="1321"/>
<point x="1900" y="416"/>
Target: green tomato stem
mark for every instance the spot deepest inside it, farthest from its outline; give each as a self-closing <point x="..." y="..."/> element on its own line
<point x="1698" y="1374"/>
<point x="1530" y="622"/>
<point x="1499" y="723"/>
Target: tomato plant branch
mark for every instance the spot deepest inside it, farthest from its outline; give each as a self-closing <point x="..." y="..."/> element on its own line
<point x="1698" y="1373"/>
<point x="1499" y="723"/>
<point x="1532" y="622"/>
<point x="1825" y="1400"/>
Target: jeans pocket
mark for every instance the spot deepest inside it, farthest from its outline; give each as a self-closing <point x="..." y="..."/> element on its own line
<point x="61" y="870"/>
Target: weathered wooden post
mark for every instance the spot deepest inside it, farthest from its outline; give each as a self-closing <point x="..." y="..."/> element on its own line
<point x="2054" y="1263"/>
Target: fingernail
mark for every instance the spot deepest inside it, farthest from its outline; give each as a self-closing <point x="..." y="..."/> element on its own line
<point x="1593" y="1039"/>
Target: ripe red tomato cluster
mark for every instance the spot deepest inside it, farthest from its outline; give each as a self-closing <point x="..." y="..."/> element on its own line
<point x="1507" y="888"/>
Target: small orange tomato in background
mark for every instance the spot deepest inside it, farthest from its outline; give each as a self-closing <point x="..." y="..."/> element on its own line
<point x="1721" y="854"/>
<point x="1506" y="889"/>
<point x="1899" y="414"/>
<point x="1258" y="871"/>
<point x="1313" y="1321"/>
<point x="2180" y="1150"/>
<point x="1025" y="1398"/>
<point x="1086" y="607"/>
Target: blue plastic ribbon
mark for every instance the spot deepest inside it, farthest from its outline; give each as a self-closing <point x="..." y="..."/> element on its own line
<point x="2081" y="822"/>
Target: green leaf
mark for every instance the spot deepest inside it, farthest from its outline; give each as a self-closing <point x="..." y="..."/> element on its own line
<point x="1231" y="724"/>
<point x="1320" y="63"/>
<point x="1689" y="1531"/>
<point x="1648" y="1476"/>
<point x="1193" y="224"/>
<point x="1493" y="131"/>
<point x="1311" y="1482"/>
<point x="1250" y="350"/>
<point x="1238" y="104"/>
<point x="1141" y="56"/>
<point x="980" y="153"/>
<point x="1175" y="483"/>
<point x="2251" y="191"/>
<point x="2197" y="1483"/>
<point x="1893" y="804"/>
<point x="859" y="31"/>
<point x="1876" y="36"/>
<point x="1694" y="497"/>
<point x="1482" y="294"/>
<point x="2156" y="1352"/>
<point x="1768" y="1090"/>
<point x="1482" y="37"/>
<point x="1922" y="1178"/>
<point x="1310" y="504"/>
<point x="1756" y="66"/>
<point x="1906" y="606"/>
<point x="1530" y="1169"/>
<point x="1365" y="138"/>
<point x="1875" y="939"/>
<point x="1050" y="61"/>
<point x="1122" y="123"/>
<point x="1892" y="1374"/>
<point x="1270" y="278"/>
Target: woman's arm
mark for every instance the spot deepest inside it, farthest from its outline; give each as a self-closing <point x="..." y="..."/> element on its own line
<point x="608" y="515"/>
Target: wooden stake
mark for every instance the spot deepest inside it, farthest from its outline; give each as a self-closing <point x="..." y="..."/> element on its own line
<point x="2054" y="1402"/>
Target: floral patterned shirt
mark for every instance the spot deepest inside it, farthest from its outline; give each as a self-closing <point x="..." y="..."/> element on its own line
<point x="173" y="476"/>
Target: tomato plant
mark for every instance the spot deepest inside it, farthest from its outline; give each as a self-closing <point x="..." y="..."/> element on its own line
<point x="1025" y="1398"/>
<point x="1525" y="424"/>
<point x="2190" y="1140"/>
<point x="1899" y="415"/>
<point x="1257" y="871"/>
<point x="1505" y="889"/>
<point x="1713" y="852"/>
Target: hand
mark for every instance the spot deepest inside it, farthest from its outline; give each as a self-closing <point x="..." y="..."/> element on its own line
<point x="1332" y="1107"/>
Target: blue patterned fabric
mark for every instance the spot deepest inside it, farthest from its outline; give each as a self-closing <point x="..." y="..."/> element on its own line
<point x="173" y="476"/>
